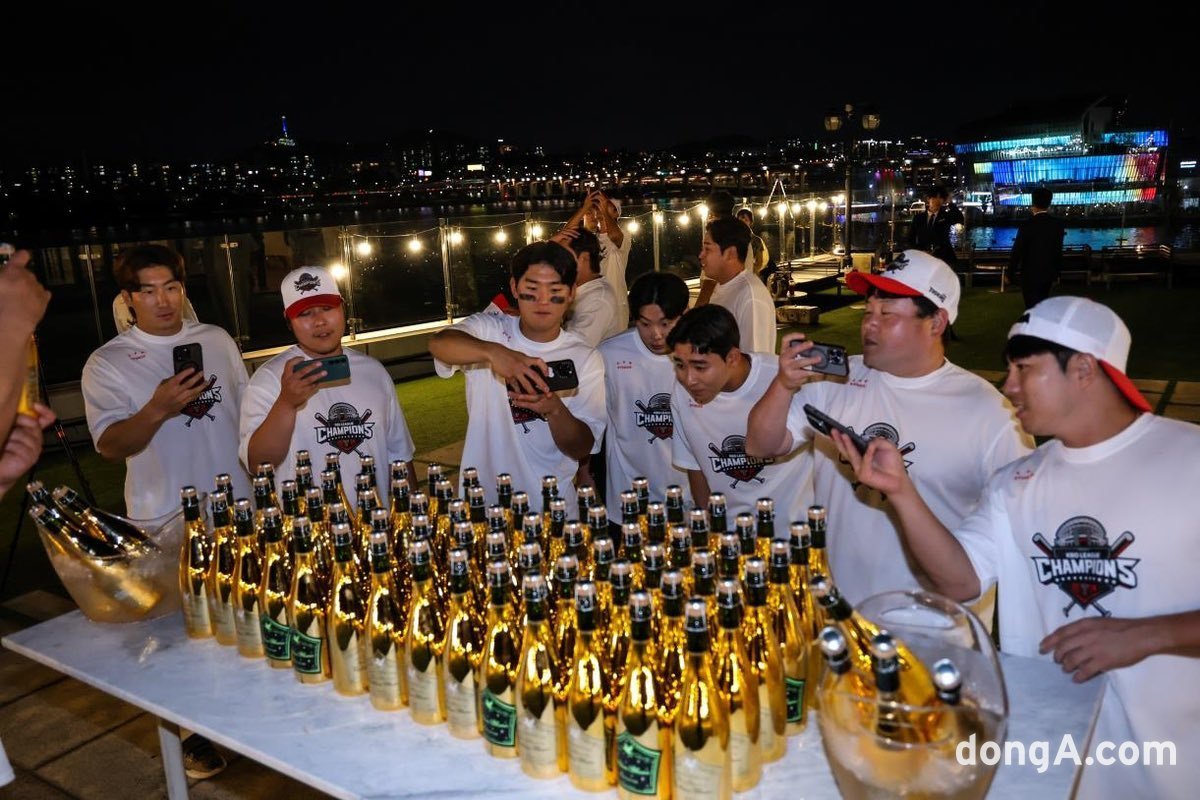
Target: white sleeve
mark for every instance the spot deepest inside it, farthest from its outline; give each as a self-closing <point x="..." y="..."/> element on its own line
<point x="1010" y="443"/>
<point x="105" y="400"/>
<point x="587" y="403"/>
<point x="483" y="326"/>
<point x="238" y="376"/>
<point x="593" y="320"/>
<point x="681" y="447"/>
<point x="797" y="420"/>
<point x="261" y="393"/>
<point x="399" y="440"/>
<point x="982" y="531"/>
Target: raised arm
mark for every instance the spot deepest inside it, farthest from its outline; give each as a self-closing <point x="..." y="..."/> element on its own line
<point x="767" y="434"/>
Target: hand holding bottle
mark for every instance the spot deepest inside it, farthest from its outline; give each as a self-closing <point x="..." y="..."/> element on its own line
<point x="23" y="299"/>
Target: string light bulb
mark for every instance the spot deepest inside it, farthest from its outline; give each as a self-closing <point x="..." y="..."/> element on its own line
<point x="535" y="231"/>
<point x="414" y="245"/>
<point x="456" y="237"/>
<point x="658" y="218"/>
<point x="782" y="208"/>
<point x="338" y="270"/>
<point x="682" y="220"/>
<point x="702" y="210"/>
<point x="762" y="212"/>
<point x="795" y="209"/>
<point x="633" y="226"/>
<point x="501" y="236"/>
<point x="363" y="248"/>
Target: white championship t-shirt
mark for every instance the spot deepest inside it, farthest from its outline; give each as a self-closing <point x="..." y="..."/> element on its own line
<point x="637" y="390"/>
<point x="613" y="263"/>
<point x="712" y="438"/>
<point x="189" y="449"/>
<point x="751" y="305"/>
<point x="1111" y="530"/>
<point x="596" y="314"/>
<point x="503" y="438"/>
<point x="360" y="418"/>
<point x="954" y="430"/>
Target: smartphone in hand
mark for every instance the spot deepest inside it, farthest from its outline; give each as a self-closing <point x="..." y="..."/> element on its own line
<point x="562" y="375"/>
<point x="823" y="423"/>
<point x="188" y="356"/>
<point x="337" y="368"/>
<point x="834" y="360"/>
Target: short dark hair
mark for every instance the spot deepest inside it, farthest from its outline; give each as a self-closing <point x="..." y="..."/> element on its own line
<point x="552" y="254"/>
<point x="730" y="232"/>
<point x="663" y="289"/>
<point x="938" y="191"/>
<point x="1041" y="197"/>
<point x="1025" y="346"/>
<point x="720" y="204"/>
<point x="710" y="329"/>
<point x="585" y="241"/>
<point x="745" y="212"/>
<point x="133" y="260"/>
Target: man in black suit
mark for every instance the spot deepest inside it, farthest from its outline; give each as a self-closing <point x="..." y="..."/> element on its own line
<point x="1037" y="253"/>
<point x="930" y="229"/>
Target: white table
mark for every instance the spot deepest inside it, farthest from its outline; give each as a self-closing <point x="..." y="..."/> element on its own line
<point x="343" y="746"/>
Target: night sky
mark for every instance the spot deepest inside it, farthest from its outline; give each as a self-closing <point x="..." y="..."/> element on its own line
<point x="104" y="83"/>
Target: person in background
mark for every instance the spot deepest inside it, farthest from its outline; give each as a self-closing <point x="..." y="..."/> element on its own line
<point x="723" y="259"/>
<point x="930" y="229"/>
<point x="600" y="214"/>
<point x="1038" y="250"/>
<point x="596" y="312"/>
<point x="720" y="204"/>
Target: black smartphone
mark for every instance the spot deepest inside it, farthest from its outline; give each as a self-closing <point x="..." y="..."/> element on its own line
<point x="188" y="356"/>
<point x="337" y="368"/>
<point x="823" y="423"/>
<point x="834" y="360"/>
<point x="562" y="375"/>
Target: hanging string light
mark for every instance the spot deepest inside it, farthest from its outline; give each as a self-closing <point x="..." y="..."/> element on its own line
<point x="363" y="248"/>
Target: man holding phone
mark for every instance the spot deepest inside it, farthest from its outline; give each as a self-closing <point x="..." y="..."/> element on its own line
<point x="320" y="396"/>
<point x="517" y="423"/>
<point x="953" y="427"/>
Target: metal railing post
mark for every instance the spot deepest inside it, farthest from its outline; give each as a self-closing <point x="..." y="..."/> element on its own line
<point x="87" y="259"/>
<point x="444" y="242"/>
<point x="233" y="299"/>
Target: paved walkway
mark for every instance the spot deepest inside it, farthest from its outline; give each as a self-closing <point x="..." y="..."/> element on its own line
<point x="66" y="740"/>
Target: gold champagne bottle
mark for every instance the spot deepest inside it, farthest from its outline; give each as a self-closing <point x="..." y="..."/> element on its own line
<point x="262" y="501"/>
<point x="477" y="504"/>
<point x="766" y="660"/>
<point x="656" y="523"/>
<point x="347" y="619"/>
<point x="462" y="651"/>
<point x="674" y="505"/>
<point x="575" y="544"/>
<point x="729" y="556"/>
<point x="273" y="594"/>
<point x="764" y="527"/>
<point x="554" y="534"/>
<point x="219" y="581"/>
<point x="426" y="635"/>
<point x="247" y="581"/>
<point x="304" y="482"/>
<point x="498" y="670"/>
<point x="308" y="603"/>
<point x="641" y="487"/>
<point x="470" y="478"/>
<point x="566" y="623"/>
<point x="504" y="496"/>
<point x="366" y="500"/>
<point x="654" y="564"/>
<point x="919" y="690"/>
<point x="529" y="561"/>
<point x="704" y="584"/>
<point x="794" y="641"/>
<point x="672" y="655"/>
<point x="333" y="462"/>
<point x="811" y="612"/>
<point x="433" y="477"/>
<point x="318" y="517"/>
<point x="496" y="524"/>
<point x="616" y="641"/>
<point x="520" y="507"/>
<point x="267" y="470"/>
<point x="818" y="557"/>
<point x="541" y="709"/>
<point x="747" y="538"/>
<point x="701" y="765"/>
<point x="604" y="552"/>
<point x="401" y="503"/>
<point x="549" y="492"/>
<point x="464" y="538"/>
<point x="597" y="523"/>
<point x="631" y="551"/>
<point x="738" y="685"/>
<point x="894" y="724"/>
<point x="718" y="515"/>
<point x="223" y="484"/>
<point x="532" y="532"/>
<point x="385" y="630"/>
<point x="629" y="515"/>
<point x="681" y="554"/>
<point x="100" y="524"/>
<point x="289" y="500"/>
<point x="588" y="754"/>
<point x="698" y="530"/>
<point x="585" y="498"/>
<point x="194" y="562"/>
<point x="643" y="739"/>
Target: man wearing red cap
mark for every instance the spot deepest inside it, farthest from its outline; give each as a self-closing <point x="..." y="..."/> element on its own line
<point x="1093" y="539"/>
<point x="953" y="427"/>
<point x="289" y="406"/>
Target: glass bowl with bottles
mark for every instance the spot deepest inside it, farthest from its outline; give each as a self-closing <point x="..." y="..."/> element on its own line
<point x="908" y="676"/>
<point x="115" y="569"/>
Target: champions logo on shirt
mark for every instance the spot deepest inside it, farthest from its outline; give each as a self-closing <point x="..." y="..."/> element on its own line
<point x="200" y="407"/>
<point x="1083" y="564"/>
<point x="884" y="431"/>
<point x="731" y="459"/>
<point x="655" y="417"/>
<point x="344" y="428"/>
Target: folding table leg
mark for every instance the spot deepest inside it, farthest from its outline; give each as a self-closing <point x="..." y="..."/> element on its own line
<point x="172" y="756"/>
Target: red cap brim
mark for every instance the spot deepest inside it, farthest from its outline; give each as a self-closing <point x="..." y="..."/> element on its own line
<point x="860" y="282"/>
<point x="305" y="303"/>
<point x="1126" y="387"/>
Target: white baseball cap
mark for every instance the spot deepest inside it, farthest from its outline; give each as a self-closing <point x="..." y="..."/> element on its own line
<point x="1089" y="327"/>
<point x="305" y="287"/>
<point x="914" y="273"/>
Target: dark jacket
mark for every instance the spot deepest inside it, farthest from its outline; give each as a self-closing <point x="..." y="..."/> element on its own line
<point x="935" y="238"/>
<point x="1037" y="253"/>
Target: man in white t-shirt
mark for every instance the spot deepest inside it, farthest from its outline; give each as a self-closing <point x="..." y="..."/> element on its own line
<point x="1093" y="540"/>
<point x="171" y="429"/>
<point x="287" y="407"/>
<point x="515" y="423"/>
<point x="600" y="214"/>
<point x="716" y="386"/>
<point x="638" y="380"/>
<point x="595" y="313"/>
<point x="954" y="428"/>
<point x="723" y="258"/>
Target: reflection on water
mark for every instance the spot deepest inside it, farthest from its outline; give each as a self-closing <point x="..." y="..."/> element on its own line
<point x="1184" y="238"/>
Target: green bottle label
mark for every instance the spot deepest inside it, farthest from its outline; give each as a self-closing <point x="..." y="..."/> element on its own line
<point x="306" y="653"/>
<point x="795" y="699"/>
<point x="499" y="721"/>
<point x="277" y="639"/>
<point x="637" y="765"/>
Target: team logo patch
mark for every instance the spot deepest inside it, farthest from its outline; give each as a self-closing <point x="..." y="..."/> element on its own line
<point x="886" y="431"/>
<point x="344" y="428"/>
<point x="523" y="416"/>
<point x="731" y="459"/>
<point x="306" y="282"/>
<point x="655" y="417"/>
<point x="202" y="405"/>
<point x="1083" y="564"/>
